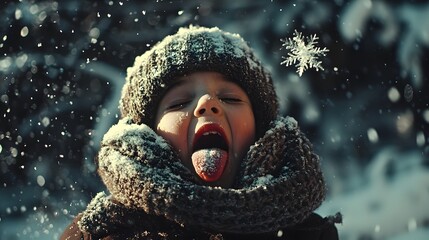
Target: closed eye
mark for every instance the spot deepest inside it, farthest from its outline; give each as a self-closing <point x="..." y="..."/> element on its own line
<point x="177" y="105"/>
<point x="231" y="100"/>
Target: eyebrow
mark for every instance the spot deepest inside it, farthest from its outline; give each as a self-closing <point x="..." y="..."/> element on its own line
<point x="176" y="83"/>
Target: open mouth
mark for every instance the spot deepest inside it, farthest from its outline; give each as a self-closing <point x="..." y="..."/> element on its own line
<point x="210" y="136"/>
<point x="210" y="152"/>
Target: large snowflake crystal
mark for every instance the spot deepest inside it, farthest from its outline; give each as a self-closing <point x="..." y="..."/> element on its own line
<point x="303" y="55"/>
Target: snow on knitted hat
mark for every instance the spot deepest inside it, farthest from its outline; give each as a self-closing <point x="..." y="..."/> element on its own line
<point x="191" y="50"/>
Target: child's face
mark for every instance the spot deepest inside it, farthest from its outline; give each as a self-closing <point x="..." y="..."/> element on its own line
<point x="209" y="121"/>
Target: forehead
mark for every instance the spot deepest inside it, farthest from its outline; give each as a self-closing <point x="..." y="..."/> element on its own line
<point x="212" y="80"/>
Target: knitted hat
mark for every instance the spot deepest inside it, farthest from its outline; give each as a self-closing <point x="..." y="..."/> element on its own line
<point x="190" y="50"/>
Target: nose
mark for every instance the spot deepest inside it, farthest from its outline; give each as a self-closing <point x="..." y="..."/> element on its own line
<point x="207" y="105"/>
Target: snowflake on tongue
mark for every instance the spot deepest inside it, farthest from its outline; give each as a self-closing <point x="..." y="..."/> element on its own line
<point x="212" y="157"/>
<point x="305" y="55"/>
<point x="209" y="164"/>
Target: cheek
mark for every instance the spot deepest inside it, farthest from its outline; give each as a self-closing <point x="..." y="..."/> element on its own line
<point x="172" y="122"/>
<point x="243" y="128"/>
<point x="173" y="127"/>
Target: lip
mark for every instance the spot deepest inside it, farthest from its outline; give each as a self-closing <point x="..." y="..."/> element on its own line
<point x="207" y="128"/>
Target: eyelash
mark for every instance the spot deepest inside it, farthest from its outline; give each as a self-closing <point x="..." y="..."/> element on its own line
<point x="177" y="106"/>
<point x="230" y="100"/>
<point x="180" y="105"/>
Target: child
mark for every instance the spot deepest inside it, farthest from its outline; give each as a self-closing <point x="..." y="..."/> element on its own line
<point x="201" y="153"/>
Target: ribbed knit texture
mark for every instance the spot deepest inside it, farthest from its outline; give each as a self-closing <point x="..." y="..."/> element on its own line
<point x="280" y="183"/>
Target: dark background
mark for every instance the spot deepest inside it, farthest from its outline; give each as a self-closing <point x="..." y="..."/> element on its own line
<point x="63" y="63"/>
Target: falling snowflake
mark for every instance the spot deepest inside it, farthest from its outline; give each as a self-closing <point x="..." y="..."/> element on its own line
<point x="304" y="55"/>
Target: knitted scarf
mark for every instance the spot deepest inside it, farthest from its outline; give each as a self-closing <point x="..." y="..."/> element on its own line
<point x="279" y="185"/>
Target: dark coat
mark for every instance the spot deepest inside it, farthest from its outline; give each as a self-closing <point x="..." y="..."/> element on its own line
<point x="314" y="228"/>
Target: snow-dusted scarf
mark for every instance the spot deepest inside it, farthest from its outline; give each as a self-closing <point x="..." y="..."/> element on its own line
<point x="279" y="185"/>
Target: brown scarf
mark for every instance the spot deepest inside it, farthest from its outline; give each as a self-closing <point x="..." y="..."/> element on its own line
<point x="279" y="185"/>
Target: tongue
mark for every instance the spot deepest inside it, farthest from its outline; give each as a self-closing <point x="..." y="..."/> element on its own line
<point x="209" y="163"/>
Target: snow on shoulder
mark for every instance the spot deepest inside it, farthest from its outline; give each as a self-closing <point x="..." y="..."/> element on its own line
<point x="288" y="123"/>
<point x="134" y="134"/>
<point x="93" y="213"/>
